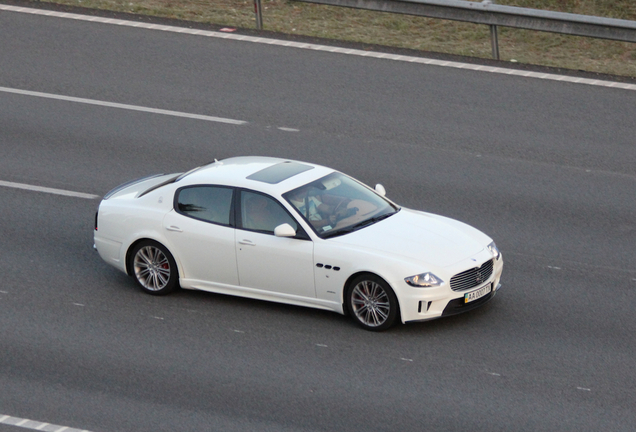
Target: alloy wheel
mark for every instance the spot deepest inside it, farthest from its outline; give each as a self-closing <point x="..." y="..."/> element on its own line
<point x="370" y="303"/>
<point x="152" y="268"/>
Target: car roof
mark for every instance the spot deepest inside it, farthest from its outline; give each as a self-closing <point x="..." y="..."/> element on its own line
<point x="266" y="174"/>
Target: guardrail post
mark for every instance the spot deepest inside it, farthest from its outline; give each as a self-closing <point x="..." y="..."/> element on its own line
<point x="259" y="14"/>
<point x="494" y="41"/>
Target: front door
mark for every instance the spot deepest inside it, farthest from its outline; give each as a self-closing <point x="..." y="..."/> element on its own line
<point x="277" y="264"/>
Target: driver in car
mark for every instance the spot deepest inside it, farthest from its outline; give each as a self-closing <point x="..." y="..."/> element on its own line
<point x="321" y="209"/>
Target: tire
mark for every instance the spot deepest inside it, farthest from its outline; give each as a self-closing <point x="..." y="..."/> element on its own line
<point x="372" y="303"/>
<point x="154" y="268"/>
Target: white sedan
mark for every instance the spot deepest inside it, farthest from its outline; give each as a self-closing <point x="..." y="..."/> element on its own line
<point x="297" y="233"/>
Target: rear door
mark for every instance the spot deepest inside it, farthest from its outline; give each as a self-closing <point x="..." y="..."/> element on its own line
<point x="201" y="233"/>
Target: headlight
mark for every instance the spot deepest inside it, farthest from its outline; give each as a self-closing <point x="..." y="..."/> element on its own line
<point x="492" y="247"/>
<point x="424" y="280"/>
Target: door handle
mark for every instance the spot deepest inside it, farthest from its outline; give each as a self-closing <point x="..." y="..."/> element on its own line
<point x="247" y="242"/>
<point x="174" y="228"/>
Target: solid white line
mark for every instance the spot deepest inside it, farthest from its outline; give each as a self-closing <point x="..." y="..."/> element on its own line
<point x="302" y="45"/>
<point x="121" y="106"/>
<point x="47" y="190"/>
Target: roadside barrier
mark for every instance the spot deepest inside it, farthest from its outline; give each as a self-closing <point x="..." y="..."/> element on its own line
<point x="494" y="15"/>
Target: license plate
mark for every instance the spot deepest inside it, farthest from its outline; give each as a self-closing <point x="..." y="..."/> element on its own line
<point x="468" y="297"/>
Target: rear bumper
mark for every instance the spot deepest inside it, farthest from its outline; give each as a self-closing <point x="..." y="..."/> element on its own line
<point x="109" y="251"/>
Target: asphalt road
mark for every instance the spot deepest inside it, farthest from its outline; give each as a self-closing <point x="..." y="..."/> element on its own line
<point x="545" y="168"/>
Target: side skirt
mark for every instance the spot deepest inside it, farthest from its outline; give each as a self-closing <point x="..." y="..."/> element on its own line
<point x="261" y="295"/>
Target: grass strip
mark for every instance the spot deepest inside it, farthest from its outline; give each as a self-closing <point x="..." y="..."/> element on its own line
<point x="403" y="31"/>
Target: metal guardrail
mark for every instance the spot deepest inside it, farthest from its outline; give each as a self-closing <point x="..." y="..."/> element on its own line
<point x="499" y="15"/>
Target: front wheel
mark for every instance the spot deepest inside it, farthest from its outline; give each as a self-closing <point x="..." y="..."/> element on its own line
<point x="153" y="268"/>
<point x="372" y="302"/>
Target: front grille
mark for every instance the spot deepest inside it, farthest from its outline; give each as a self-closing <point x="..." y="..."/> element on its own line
<point x="472" y="278"/>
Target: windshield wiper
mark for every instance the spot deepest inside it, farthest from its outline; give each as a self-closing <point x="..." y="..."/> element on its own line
<point x="372" y="220"/>
<point x="359" y="225"/>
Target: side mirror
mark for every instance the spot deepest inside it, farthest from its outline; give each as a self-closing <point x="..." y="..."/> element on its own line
<point x="284" y="230"/>
<point x="380" y="189"/>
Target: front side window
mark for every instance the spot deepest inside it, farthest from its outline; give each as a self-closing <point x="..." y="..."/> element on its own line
<point x="262" y="213"/>
<point x="207" y="203"/>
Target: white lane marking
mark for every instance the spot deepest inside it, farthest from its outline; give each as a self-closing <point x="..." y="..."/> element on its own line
<point x="322" y="345"/>
<point x="35" y="425"/>
<point x="406" y="359"/>
<point x="286" y="129"/>
<point x="316" y="47"/>
<point x="47" y="190"/>
<point x="121" y="106"/>
<point x="583" y="388"/>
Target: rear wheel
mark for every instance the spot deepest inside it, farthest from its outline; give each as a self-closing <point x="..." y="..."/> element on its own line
<point x="154" y="268"/>
<point x="372" y="302"/>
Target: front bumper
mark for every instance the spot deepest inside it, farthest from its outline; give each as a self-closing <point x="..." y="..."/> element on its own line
<point x="429" y="304"/>
<point x="458" y="306"/>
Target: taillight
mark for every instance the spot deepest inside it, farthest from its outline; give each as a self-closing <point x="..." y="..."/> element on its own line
<point x="96" y="213"/>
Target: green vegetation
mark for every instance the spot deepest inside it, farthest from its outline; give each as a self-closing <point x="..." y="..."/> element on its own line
<point x="523" y="46"/>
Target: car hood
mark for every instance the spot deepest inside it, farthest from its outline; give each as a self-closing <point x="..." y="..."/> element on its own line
<point x="423" y="237"/>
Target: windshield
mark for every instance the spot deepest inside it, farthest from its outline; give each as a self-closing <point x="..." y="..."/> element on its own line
<point x="337" y="204"/>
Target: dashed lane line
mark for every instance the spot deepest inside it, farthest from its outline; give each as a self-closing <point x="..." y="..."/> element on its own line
<point x="316" y="47"/>
<point x="36" y="425"/>
<point x="121" y="106"/>
<point x="47" y="190"/>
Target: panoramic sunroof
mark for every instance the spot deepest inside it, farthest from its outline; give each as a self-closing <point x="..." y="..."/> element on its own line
<point x="279" y="172"/>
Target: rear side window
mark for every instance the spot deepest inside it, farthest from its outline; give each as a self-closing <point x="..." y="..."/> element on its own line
<point x="207" y="203"/>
